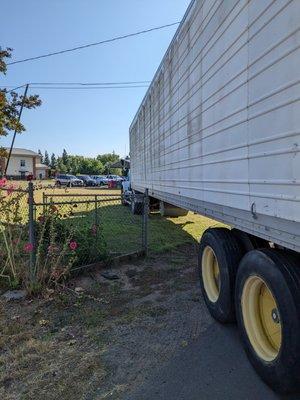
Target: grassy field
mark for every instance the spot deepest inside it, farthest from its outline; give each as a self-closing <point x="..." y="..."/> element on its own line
<point x="121" y="230"/>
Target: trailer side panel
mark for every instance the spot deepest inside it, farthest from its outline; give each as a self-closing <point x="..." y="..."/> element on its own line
<point x="218" y="131"/>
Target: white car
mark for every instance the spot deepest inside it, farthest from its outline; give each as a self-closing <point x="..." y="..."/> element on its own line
<point x="116" y="178"/>
<point x="68" y="180"/>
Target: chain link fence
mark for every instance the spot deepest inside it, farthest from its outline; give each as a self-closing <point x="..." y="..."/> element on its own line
<point x="52" y="232"/>
<point x="14" y="234"/>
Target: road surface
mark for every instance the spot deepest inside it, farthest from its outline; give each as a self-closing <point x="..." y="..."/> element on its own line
<point x="213" y="367"/>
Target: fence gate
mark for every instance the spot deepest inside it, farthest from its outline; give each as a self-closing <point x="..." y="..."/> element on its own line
<point x="100" y="226"/>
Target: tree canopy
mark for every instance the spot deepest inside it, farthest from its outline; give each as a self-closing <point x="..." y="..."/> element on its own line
<point x="46" y="159"/>
<point x="74" y="164"/>
<point x="10" y="103"/>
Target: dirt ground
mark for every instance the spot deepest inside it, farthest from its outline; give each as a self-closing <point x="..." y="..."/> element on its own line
<point x="98" y="338"/>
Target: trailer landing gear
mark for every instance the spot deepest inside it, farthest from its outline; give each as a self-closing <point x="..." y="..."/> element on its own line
<point x="262" y="289"/>
<point x="168" y="210"/>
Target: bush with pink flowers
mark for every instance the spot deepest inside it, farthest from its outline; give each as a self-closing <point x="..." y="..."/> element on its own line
<point x="60" y="243"/>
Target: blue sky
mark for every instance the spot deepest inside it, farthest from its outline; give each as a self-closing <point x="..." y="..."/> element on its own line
<point x="84" y="122"/>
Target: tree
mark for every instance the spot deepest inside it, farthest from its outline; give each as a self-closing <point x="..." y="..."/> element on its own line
<point x="46" y="159"/>
<point x="61" y="167"/>
<point x="65" y="157"/>
<point x="53" y="161"/>
<point x="41" y="155"/>
<point x="108" y="158"/>
<point x="10" y="103"/>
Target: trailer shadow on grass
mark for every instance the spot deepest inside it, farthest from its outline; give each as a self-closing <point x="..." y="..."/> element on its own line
<point x="123" y="232"/>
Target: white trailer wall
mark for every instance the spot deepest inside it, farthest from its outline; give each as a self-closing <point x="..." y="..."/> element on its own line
<point x="219" y="129"/>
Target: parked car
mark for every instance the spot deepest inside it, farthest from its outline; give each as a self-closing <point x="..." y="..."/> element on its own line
<point x="87" y="180"/>
<point x="116" y="178"/>
<point x="101" y="180"/>
<point x="68" y="180"/>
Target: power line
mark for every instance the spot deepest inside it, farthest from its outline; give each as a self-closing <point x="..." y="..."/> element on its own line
<point x="88" y="87"/>
<point x="84" y="87"/>
<point x="90" y="83"/>
<point x="14" y="88"/>
<point x="94" y="44"/>
<point x="84" y="84"/>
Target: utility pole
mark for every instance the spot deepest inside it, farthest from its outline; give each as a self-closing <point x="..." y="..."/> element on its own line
<point x="15" y="132"/>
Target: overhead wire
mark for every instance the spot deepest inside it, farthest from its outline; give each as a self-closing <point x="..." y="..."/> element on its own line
<point x="93" y="44"/>
<point x="90" y="83"/>
<point x="88" y="87"/>
<point x="76" y="87"/>
<point x="14" y="88"/>
<point x="83" y="85"/>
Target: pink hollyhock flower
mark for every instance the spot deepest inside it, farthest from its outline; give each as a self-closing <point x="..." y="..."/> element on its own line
<point x="3" y="182"/>
<point x="41" y="219"/>
<point x="10" y="189"/>
<point x="73" y="245"/>
<point x="28" y="247"/>
<point x="94" y="229"/>
<point x="53" y="249"/>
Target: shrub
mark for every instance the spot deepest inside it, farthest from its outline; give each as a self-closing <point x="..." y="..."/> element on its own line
<point x="60" y="243"/>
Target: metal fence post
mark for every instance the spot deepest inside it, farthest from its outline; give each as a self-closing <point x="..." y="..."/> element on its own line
<point x="31" y="230"/>
<point x="96" y="214"/>
<point x="44" y="205"/>
<point x="145" y="222"/>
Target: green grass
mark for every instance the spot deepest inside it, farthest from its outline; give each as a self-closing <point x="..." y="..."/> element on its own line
<point x="120" y="231"/>
<point x="168" y="233"/>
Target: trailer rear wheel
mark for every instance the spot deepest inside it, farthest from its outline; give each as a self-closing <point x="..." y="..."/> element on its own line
<point x="250" y="242"/>
<point x="219" y="255"/>
<point x="137" y="207"/>
<point x="268" y="314"/>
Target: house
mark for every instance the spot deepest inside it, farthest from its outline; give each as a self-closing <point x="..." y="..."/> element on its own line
<point x="24" y="162"/>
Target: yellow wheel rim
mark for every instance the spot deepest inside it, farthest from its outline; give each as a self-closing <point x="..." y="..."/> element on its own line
<point x="210" y="274"/>
<point x="261" y="318"/>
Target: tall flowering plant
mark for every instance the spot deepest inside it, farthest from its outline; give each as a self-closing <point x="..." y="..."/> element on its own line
<point x="13" y="232"/>
<point x="55" y="247"/>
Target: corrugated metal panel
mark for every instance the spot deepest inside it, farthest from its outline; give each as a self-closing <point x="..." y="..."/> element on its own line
<point x="221" y="121"/>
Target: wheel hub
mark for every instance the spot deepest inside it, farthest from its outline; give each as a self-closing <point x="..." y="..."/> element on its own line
<point x="261" y="318"/>
<point x="275" y="316"/>
<point x="211" y="274"/>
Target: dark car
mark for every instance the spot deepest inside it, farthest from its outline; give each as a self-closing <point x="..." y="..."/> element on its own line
<point x="87" y="180"/>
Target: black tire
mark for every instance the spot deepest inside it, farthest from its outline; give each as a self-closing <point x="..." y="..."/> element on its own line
<point x="279" y="272"/>
<point x="58" y="184"/>
<point x="250" y="242"/>
<point x="137" y="208"/>
<point x="124" y="203"/>
<point x="228" y="253"/>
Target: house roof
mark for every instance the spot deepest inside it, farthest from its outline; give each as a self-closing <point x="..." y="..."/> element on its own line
<point x="41" y="166"/>
<point x="23" y="152"/>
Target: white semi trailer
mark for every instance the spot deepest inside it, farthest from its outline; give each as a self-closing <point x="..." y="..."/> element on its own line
<point x="218" y="133"/>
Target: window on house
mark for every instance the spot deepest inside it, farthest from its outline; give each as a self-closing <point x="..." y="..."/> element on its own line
<point x="22" y="163"/>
